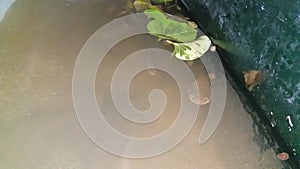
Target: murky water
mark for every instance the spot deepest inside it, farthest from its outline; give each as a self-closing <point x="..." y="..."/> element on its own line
<point x="40" y="41"/>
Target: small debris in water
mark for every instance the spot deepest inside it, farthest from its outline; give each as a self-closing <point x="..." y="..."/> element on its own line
<point x="199" y="101"/>
<point x="273" y="123"/>
<point x="283" y="156"/>
<point x="252" y="78"/>
<point x="213" y="48"/>
<point x="68" y="3"/>
<point x="212" y="76"/>
<point x="151" y="72"/>
<point x="288" y="118"/>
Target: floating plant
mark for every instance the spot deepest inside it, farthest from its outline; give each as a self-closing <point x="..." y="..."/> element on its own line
<point x="169" y="29"/>
<point x="191" y="50"/>
<point x="178" y="33"/>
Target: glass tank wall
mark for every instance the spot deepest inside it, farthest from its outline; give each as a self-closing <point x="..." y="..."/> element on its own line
<point x="264" y="36"/>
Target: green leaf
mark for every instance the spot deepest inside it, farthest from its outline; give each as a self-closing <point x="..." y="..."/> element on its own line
<point x="169" y="29"/>
<point x="155" y="14"/>
<point x="191" y="50"/>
